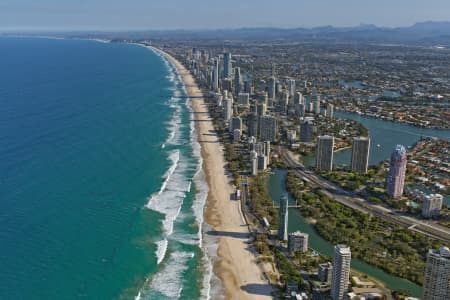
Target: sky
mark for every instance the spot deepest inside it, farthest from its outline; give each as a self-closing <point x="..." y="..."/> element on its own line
<point x="211" y="14"/>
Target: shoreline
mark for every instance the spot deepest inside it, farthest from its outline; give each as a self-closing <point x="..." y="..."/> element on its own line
<point x="235" y="264"/>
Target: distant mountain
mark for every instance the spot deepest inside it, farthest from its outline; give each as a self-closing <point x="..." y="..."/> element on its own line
<point x="424" y="33"/>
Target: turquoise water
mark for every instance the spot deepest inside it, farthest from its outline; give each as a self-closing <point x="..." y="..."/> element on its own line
<point x="276" y="186"/>
<point x="100" y="194"/>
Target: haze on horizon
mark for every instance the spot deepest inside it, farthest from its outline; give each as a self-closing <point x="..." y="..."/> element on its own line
<point x="60" y="15"/>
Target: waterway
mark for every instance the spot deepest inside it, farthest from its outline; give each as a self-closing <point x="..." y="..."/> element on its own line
<point x="384" y="135"/>
<point x="276" y="187"/>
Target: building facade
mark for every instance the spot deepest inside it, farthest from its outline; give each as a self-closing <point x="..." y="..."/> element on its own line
<point x="283" y="219"/>
<point x="437" y="275"/>
<point x="307" y="130"/>
<point x="298" y="241"/>
<point x="325" y="150"/>
<point x="341" y="271"/>
<point x="396" y="176"/>
<point x="360" y="154"/>
<point x="431" y="205"/>
<point x="268" y="128"/>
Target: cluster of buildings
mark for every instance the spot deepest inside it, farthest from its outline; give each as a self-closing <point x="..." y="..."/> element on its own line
<point x="254" y="117"/>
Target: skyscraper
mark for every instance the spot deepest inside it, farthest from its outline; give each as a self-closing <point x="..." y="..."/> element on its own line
<point x="216" y="75"/>
<point x="330" y="111"/>
<point x="396" y="175"/>
<point x="437" y="275"/>
<point x="271" y="90"/>
<point x="252" y="125"/>
<point x="316" y="101"/>
<point x="227" y="104"/>
<point x="298" y="98"/>
<point x="226" y="65"/>
<point x="291" y="86"/>
<point x="283" y="219"/>
<point x="237" y="81"/>
<point x="360" y="154"/>
<point x="307" y="130"/>
<point x="341" y="271"/>
<point x="297" y="241"/>
<point x="324" y="159"/>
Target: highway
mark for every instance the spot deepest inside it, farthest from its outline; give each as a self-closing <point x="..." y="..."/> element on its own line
<point x="351" y="200"/>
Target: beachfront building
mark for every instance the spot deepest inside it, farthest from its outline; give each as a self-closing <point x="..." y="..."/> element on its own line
<point x="325" y="272"/>
<point x="431" y="205"/>
<point x="330" y="111"/>
<point x="227" y="104"/>
<point x="341" y="271"/>
<point x="360" y="154"/>
<point x="283" y="219"/>
<point x="396" y="176"/>
<point x="307" y="130"/>
<point x="268" y="128"/>
<point x="254" y="162"/>
<point x="271" y="90"/>
<point x="236" y="123"/>
<point x="215" y="84"/>
<point x="437" y="275"/>
<point x="236" y="136"/>
<point x="227" y="65"/>
<point x="297" y="241"/>
<point x="325" y="146"/>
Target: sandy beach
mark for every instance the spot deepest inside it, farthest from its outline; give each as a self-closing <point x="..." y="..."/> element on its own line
<point x="235" y="264"/>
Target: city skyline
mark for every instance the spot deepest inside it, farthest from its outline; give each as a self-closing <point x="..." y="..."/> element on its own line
<point x="158" y="15"/>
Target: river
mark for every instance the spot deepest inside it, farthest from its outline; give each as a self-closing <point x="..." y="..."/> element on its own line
<point x="276" y="187"/>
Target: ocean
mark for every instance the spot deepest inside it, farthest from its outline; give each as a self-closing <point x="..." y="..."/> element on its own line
<point x="101" y="186"/>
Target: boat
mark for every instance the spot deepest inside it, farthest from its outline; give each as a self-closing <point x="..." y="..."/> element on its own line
<point x="378" y="145"/>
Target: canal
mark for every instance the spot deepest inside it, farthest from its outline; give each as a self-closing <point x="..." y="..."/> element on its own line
<point x="276" y="187"/>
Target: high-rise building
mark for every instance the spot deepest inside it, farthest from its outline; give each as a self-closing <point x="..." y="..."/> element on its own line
<point x="261" y="109"/>
<point x="268" y="128"/>
<point x="248" y="86"/>
<point x="283" y="219"/>
<point x="298" y="241"/>
<point x="216" y="75"/>
<point x="325" y="273"/>
<point x="300" y="110"/>
<point x="226" y="65"/>
<point x="341" y="271"/>
<point x="262" y="162"/>
<point x="271" y="90"/>
<point x="431" y="205"/>
<point x="252" y="125"/>
<point x="298" y="98"/>
<point x="284" y="102"/>
<point x="330" y="111"/>
<point x="236" y="123"/>
<point x="236" y="135"/>
<point x="437" y="275"/>
<point x="316" y="101"/>
<point x="325" y="146"/>
<point x="307" y="130"/>
<point x="291" y="86"/>
<point x="244" y="99"/>
<point x="254" y="162"/>
<point x="396" y="176"/>
<point x="360" y="154"/>
<point x="237" y="81"/>
<point x="227" y="104"/>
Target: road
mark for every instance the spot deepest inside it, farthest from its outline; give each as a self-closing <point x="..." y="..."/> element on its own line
<point x="351" y="200"/>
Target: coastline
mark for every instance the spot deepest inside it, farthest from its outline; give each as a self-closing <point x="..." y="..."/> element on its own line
<point x="235" y="264"/>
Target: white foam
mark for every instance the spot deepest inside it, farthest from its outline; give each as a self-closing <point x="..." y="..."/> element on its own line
<point x="169" y="281"/>
<point x="161" y="249"/>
